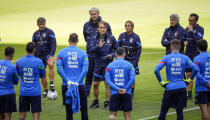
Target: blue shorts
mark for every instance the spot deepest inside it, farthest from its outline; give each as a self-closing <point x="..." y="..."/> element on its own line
<point x="25" y="102"/>
<point x="99" y="73"/>
<point x="8" y="103"/>
<point x="202" y="97"/>
<point x="191" y="56"/>
<point x="120" y="102"/>
<point x="175" y="98"/>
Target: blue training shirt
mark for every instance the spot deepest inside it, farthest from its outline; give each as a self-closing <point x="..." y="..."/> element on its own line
<point x="30" y="70"/>
<point x="8" y="77"/>
<point x="175" y="68"/>
<point x="120" y="74"/>
<point x="203" y="76"/>
<point x="72" y="64"/>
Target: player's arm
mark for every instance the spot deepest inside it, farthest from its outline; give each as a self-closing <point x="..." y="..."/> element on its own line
<point x="53" y="43"/>
<point x="120" y="41"/>
<point x="109" y="30"/>
<point x="197" y="35"/>
<point x="60" y="71"/>
<point x="41" y="69"/>
<point x="94" y="44"/>
<point x="85" y="33"/>
<point x="138" y="49"/>
<point x="108" y="78"/>
<point x="164" y="40"/>
<point x="131" y="78"/>
<point x="84" y="69"/>
<point x="15" y="76"/>
<point x="159" y="67"/>
<point x="115" y="46"/>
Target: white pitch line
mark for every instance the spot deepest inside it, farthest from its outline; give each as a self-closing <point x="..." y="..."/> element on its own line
<point x="156" y="116"/>
<point x="144" y="53"/>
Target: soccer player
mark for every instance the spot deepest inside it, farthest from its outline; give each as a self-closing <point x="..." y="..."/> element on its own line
<point x="175" y="31"/>
<point x="89" y="30"/>
<point x="202" y="85"/>
<point x="8" y="77"/>
<point x="104" y="45"/>
<point x="193" y="33"/>
<point x="30" y="70"/>
<point x="130" y="41"/>
<point x="175" y="87"/>
<point x="120" y="75"/>
<point x="72" y="66"/>
<point x="45" y="41"/>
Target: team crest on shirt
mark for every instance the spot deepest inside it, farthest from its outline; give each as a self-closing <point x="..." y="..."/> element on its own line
<point x="44" y="35"/>
<point x="194" y="31"/>
<point x="131" y="40"/>
<point x="176" y="34"/>
<point x="108" y="41"/>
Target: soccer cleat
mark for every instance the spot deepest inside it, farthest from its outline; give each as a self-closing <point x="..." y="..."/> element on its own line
<point x="106" y="105"/>
<point x="45" y="93"/>
<point x="94" y="104"/>
<point x="52" y="87"/>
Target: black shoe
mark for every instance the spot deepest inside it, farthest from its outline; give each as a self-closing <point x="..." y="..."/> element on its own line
<point x="45" y="93"/>
<point x="106" y="105"/>
<point x="189" y="97"/>
<point x="94" y="104"/>
<point x="52" y="87"/>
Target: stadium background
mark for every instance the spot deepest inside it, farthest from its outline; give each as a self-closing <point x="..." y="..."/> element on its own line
<point x="151" y="17"/>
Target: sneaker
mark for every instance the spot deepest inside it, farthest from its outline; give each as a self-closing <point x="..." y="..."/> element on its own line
<point x="106" y="105"/>
<point x="52" y="87"/>
<point x="94" y="104"/>
<point x="45" y="93"/>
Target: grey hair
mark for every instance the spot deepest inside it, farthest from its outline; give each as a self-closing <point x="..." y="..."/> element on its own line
<point x="93" y="9"/>
<point x="174" y="16"/>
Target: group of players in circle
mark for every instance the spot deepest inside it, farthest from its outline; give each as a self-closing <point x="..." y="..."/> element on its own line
<point x="97" y="64"/>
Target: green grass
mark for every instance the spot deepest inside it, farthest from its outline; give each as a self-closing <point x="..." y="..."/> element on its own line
<point x="146" y="103"/>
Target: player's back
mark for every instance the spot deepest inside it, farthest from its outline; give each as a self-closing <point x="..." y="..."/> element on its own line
<point x="203" y="61"/>
<point x="175" y="69"/>
<point x="72" y="60"/>
<point x="7" y="73"/>
<point x="29" y="71"/>
<point x="120" y="73"/>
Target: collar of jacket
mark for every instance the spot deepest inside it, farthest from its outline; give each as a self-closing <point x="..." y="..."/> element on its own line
<point x="174" y="27"/>
<point x="99" y="19"/>
<point x="105" y="37"/>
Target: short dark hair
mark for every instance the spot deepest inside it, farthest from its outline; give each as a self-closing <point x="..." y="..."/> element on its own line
<point x="120" y="51"/>
<point x="30" y="47"/>
<point x="131" y="22"/>
<point x="9" y="51"/>
<point x="175" y="44"/>
<point x="73" y="38"/>
<point x="194" y="15"/>
<point x="202" y="45"/>
<point x="41" y="20"/>
<point x="102" y="22"/>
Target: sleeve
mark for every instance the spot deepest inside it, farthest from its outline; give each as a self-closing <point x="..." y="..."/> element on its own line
<point x="94" y="45"/>
<point x="108" y="78"/>
<point x="195" y="36"/>
<point x="84" y="68"/>
<point x="109" y="30"/>
<point x="15" y="76"/>
<point x="159" y="67"/>
<point x="195" y="69"/>
<point x="59" y="65"/>
<point x="198" y="75"/>
<point x="163" y="41"/>
<point x="120" y="41"/>
<point x="115" y="46"/>
<point x="138" y="49"/>
<point x="84" y="32"/>
<point x="41" y="69"/>
<point x="131" y="78"/>
<point x="53" y="43"/>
